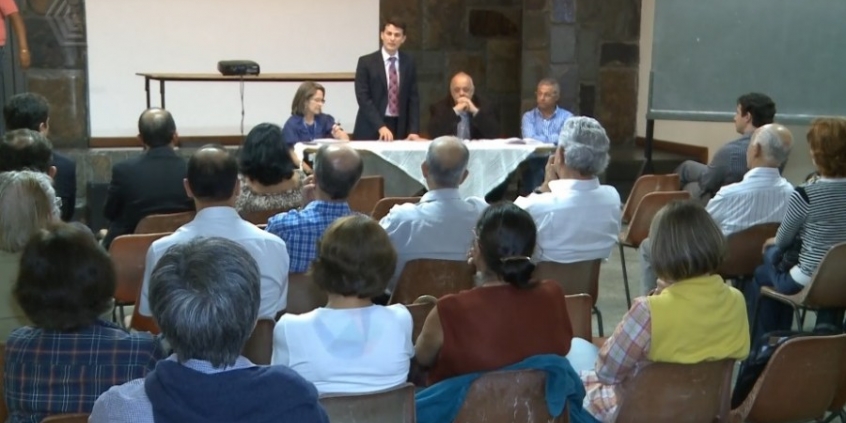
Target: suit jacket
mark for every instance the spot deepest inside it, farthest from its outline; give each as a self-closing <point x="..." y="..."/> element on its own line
<point x="65" y="183"/>
<point x="371" y="92"/>
<point x="444" y="121"/>
<point x="150" y="183"/>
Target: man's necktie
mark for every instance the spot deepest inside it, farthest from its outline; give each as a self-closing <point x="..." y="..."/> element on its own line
<point x="393" y="88"/>
<point x="463" y="130"/>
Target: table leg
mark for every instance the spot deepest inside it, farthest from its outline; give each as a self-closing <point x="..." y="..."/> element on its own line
<point x="162" y="91"/>
<point x="147" y="89"/>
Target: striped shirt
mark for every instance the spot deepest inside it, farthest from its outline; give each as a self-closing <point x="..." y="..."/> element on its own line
<point x="537" y="127"/>
<point x="816" y="214"/>
<point x="761" y="197"/>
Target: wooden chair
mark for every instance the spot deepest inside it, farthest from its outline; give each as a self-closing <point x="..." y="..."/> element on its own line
<point x="575" y="278"/>
<point x="826" y="289"/>
<point x="390" y="405"/>
<point x="648" y="184"/>
<point x="638" y="228"/>
<point x="160" y="223"/>
<point x="744" y="251"/>
<point x="259" y="346"/>
<point x="419" y="312"/>
<point x="432" y="277"/>
<point x="579" y="309"/>
<point x="303" y="294"/>
<point x="260" y="217"/>
<point x="384" y="205"/>
<point x="129" y="256"/>
<point x="678" y="393"/>
<point x="798" y="384"/>
<point x="367" y="192"/>
<point x="839" y="401"/>
<point x="507" y="397"/>
<point x="143" y="323"/>
<point x="67" y="418"/>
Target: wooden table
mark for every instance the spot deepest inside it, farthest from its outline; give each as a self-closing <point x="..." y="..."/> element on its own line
<point x="216" y="77"/>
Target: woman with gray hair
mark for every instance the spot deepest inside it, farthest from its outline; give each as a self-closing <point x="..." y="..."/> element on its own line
<point x="578" y="219"/>
<point x="27" y="204"/>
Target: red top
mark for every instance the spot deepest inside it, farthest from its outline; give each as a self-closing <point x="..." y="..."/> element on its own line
<point x="488" y="328"/>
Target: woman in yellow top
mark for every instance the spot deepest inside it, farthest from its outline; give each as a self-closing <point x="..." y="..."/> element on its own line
<point x="693" y="316"/>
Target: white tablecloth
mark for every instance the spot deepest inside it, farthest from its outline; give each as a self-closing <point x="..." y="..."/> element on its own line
<point x="490" y="162"/>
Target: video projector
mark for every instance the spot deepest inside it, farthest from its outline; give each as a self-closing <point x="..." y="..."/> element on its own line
<point x="238" y="67"/>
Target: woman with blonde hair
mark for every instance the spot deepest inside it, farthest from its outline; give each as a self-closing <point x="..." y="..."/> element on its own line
<point x="307" y="121"/>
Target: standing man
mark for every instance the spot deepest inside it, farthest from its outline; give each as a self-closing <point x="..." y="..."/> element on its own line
<point x="8" y="9"/>
<point x="543" y="123"/>
<point x="386" y="90"/>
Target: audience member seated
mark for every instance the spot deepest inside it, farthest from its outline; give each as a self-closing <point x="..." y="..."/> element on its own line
<point x="815" y="212"/>
<point x="69" y="356"/>
<point x="32" y="111"/>
<point x="150" y="183"/>
<point x="728" y="166"/>
<point x="307" y="121"/>
<point x="543" y="123"/>
<point x="213" y="184"/>
<point x="761" y="197"/>
<point x="463" y="113"/>
<point x="205" y="296"/>
<point x="351" y="345"/>
<point x="508" y="318"/>
<point x="578" y="219"/>
<point x="270" y="179"/>
<point x="694" y="315"/>
<point x="337" y="169"/>
<point x="27" y="205"/>
<point x="439" y="226"/>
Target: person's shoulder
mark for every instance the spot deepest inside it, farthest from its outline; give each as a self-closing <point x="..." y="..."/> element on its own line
<point x="60" y="159"/>
<point x="118" y="396"/>
<point x="370" y="57"/>
<point x="400" y="311"/>
<point x="291" y="121"/>
<point x="610" y="192"/>
<point x="290" y="381"/>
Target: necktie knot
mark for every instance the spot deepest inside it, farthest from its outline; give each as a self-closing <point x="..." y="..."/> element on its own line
<point x="392" y="59"/>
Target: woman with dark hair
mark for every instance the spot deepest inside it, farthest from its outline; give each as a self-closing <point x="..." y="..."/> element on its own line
<point x="307" y="121"/>
<point x="350" y="345"/>
<point x="509" y="317"/>
<point x="270" y="179"/>
<point x="69" y="356"/>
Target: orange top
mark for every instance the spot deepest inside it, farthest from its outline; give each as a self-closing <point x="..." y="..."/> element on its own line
<point x="7" y="7"/>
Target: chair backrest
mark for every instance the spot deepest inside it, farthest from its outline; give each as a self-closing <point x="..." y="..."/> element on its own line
<point x="303" y="294"/>
<point x="648" y="207"/>
<point x="675" y="393"/>
<point x="744" y="250"/>
<point x="507" y="397"/>
<point x="143" y="323"/>
<point x="827" y="289"/>
<point x="384" y="205"/>
<point x="158" y="223"/>
<point x="390" y="405"/>
<point x="367" y="192"/>
<point x="839" y="400"/>
<point x="574" y="278"/>
<point x="259" y="346"/>
<point x="419" y="313"/>
<point x="4" y="411"/>
<point x="798" y="383"/>
<point x="260" y="217"/>
<point x="432" y="277"/>
<point x="67" y="418"/>
<point x="579" y="309"/>
<point x="129" y="255"/>
<point x="645" y="185"/>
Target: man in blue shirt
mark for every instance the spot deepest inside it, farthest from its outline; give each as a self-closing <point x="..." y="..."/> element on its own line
<point x="543" y="123"/>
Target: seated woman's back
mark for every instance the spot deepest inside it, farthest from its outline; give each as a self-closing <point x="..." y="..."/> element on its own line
<point x="269" y="178"/>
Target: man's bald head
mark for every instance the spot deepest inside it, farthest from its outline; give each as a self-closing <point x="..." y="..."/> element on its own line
<point x="775" y="142"/>
<point x="212" y="174"/>
<point x="446" y="163"/>
<point x="156" y="127"/>
<point x="337" y="168"/>
<point x="461" y="85"/>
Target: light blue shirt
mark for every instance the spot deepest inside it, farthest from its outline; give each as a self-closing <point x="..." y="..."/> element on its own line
<point x="536" y="127"/>
<point x="439" y="227"/>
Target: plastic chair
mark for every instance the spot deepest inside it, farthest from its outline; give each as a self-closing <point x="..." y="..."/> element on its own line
<point x="159" y="223"/>
<point x="678" y="393"/>
<point x="638" y="228"/>
<point x="507" y="397"/>
<point x="259" y="346"/>
<point x="432" y="277"/>
<point x="798" y="384"/>
<point x="575" y="278"/>
<point x="579" y="309"/>
<point x="67" y="418"/>
<point x="129" y="256"/>
<point x="744" y="251"/>
<point x="303" y="294"/>
<point x="260" y="217"/>
<point x="647" y="184"/>
<point x="384" y="205"/>
<point x="367" y="193"/>
<point x="390" y="405"/>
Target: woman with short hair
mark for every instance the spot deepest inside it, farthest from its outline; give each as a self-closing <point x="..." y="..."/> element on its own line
<point x="270" y="179"/>
<point x="307" y="121"/>
<point x="350" y="345"/>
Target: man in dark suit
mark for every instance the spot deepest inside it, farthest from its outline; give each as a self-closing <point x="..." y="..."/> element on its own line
<point x="32" y="111"/>
<point x="151" y="183"/>
<point x="386" y="90"/>
<point x="462" y="113"/>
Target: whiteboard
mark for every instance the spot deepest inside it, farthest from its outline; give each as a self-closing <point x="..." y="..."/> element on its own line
<point x="129" y="36"/>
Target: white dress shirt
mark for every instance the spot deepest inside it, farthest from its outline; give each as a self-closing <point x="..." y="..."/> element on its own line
<point x="439" y="227"/>
<point x="268" y="250"/>
<point x="385" y="57"/>
<point x="761" y="197"/>
<point x="578" y="220"/>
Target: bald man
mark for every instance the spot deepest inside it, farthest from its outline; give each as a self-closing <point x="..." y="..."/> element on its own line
<point x="463" y="113"/>
<point x="761" y="197"/>
<point x="441" y="225"/>
<point x="150" y="183"/>
<point x="337" y="169"/>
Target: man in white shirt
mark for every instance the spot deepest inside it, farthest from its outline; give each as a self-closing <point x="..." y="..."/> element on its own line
<point x="577" y="218"/>
<point x="441" y="225"/>
<point x="761" y="197"/>
<point x="213" y="184"/>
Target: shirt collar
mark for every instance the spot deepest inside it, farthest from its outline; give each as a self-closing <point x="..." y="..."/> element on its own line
<point x="386" y="56"/>
<point x="563" y="185"/>
<point x="554" y="113"/>
<point x="441" y="194"/>
<point x="206" y="367"/>
<point x="762" y="172"/>
<point x="328" y="205"/>
<point x="218" y="212"/>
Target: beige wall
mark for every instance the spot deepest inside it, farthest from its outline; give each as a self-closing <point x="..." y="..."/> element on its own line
<point x="706" y="134"/>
